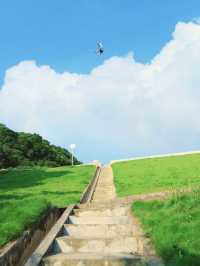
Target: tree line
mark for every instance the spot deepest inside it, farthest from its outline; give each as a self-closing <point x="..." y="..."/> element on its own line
<point x="25" y="149"/>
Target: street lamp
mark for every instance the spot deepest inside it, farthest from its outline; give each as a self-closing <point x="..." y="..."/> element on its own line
<point x="72" y="147"/>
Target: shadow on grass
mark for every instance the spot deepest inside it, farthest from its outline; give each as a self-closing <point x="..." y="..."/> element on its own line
<point x="5" y="198"/>
<point x="8" y="197"/>
<point x="60" y="193"/>
<point x="177" y="256"/>
<point x="23" y="179"/>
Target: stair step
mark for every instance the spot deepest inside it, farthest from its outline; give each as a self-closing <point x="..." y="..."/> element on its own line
<point x="112" y="245"/>
<point x="91" y="259"/>
<point x="105" y="231"/>
<point x="120" y="211"/>
<point x="98" y="220"/>
<point x="99" y="205"/>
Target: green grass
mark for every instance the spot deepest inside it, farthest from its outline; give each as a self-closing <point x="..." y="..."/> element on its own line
<point x="173" y="226"/>
<point x="158" y="174"/>
<point x="26" y="194"/>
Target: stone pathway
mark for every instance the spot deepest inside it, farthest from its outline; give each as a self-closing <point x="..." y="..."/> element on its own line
<point x="102" y="233"/>
<point x="105" y="190"/>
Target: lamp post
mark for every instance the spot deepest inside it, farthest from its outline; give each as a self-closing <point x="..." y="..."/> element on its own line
<point x="72" y="147"/>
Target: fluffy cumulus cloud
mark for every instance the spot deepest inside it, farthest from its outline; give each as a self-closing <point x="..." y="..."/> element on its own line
<point x="122" y="108"/>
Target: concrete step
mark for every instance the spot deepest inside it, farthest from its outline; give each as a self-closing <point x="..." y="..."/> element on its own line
<point x="108" y="190"/>
<point x="118" y="211"/>
<point x="96" y="231"/>
<point x="91" y="259"/>
<point x="98" y="245"/>
<point x="102" y="199"/>
<point x="98" y="220"/>
<point x="104" y="205"/>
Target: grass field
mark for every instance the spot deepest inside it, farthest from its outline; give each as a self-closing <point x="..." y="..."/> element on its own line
<point x="157" y="174"/>
<point x="173" y="226"/>
<point x="25" y="194"/>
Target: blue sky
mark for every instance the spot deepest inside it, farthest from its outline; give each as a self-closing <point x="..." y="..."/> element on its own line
<point x="63" y="33"/>
<point x="114" y="106"/>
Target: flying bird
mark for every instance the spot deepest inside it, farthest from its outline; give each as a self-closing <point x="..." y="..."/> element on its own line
<point x="100" y="49"/>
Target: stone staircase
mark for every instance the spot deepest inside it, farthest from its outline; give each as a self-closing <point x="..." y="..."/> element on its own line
<point x="96" y="237"/>
<point x="100" y="233"/>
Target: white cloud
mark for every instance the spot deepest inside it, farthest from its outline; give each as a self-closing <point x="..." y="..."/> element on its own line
<point x="122" y="108"/>
<point x="196" y="20"/>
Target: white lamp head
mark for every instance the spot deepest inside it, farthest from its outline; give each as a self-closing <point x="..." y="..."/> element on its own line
<point x="72" y="146"/>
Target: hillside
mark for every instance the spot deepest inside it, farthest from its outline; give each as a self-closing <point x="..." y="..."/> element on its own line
<point x="157" y="174"/>
<point x="173" y="226"/>
<point x="172" y="223"/>
<point x="26" y="194"/>
<point x="25" y="149"/>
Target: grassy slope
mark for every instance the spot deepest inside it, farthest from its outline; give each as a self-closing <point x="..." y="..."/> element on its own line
<point x="151" y="175"/>
<point x="173" y="226"/>
<point x="25" y="194"/>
